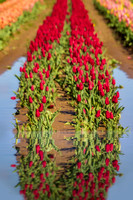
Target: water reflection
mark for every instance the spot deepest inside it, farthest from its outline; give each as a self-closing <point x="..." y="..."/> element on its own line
<point x="92" y="170"/>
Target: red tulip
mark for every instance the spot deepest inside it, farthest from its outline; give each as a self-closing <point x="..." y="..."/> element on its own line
<point x="107" y="147"/>
<point x="30" y="163"/>
<point x="97" y="148"/>
<point x="107" y="114"/>
<point x="98" y="113"/>
<point x="107" y="101"/>
<point x="13" y="98"/>
<point x="78" y="98"/>
<point x="37" y="113"/>
<point x="30" y="99"/>
<point x="44" y="99"/>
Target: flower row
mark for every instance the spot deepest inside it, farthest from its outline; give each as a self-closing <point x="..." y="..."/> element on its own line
<point x="88" y="77"/>
<point x="37" y="89"/>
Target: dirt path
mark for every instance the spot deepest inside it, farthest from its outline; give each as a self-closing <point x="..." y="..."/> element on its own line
<point x="105" y="34"/>
<point x="17" y="45"/>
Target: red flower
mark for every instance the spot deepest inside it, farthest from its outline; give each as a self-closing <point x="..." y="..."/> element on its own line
<point x="113" y="81"/>
<point x="107" y="114"/>
<point x="117" y="94"/>
<point x="13" y="165"/>
<point x="13" y="98"/>
<point x="26" y="75"/>
<point x="30" y="99"/>
<point x="78" y="98"/>
<point x="107" y="161"/>
<point x="79" y="165"/>
<point x="107" y="147"/>
<point x="98" y="113"/>
<point x="47" y="88"/>
<point x="37" y="113"/>
<point x="113" y="179"/>
<point x="44" y="99"/>
<point x="32" y="87"/>
<point x="31" y="75"/>
<point x="41" y="154"/>
<point x="44" y="163"/>
<point x="115" y="99"/>
<point x="97" y="148"/>
<point x="41" y="107"/>
<point x="37" y="149"/>
<point x="41" y="86"/>
<point x="30" y="163"/>
<point x="32" y="175"/>
<point x="111" y="147"/>
<point x="107" y="101"/>
<point x="47" y="74"/>
<point x="111" y="115"/>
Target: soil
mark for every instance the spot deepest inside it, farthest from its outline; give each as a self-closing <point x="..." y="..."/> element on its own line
<point x="17" y="48"/>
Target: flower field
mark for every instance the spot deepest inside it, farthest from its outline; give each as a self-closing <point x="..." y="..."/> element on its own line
<point x="120" y="17"/>
<point x="13" y="14"/>
<point x="68" y="52"/>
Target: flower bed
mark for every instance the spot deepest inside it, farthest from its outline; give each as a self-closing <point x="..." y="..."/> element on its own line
<point x="13" y="14"/>
<point x="119" y="15"/>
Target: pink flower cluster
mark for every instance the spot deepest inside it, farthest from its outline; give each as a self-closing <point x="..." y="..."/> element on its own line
<point x="123" y="9"/>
